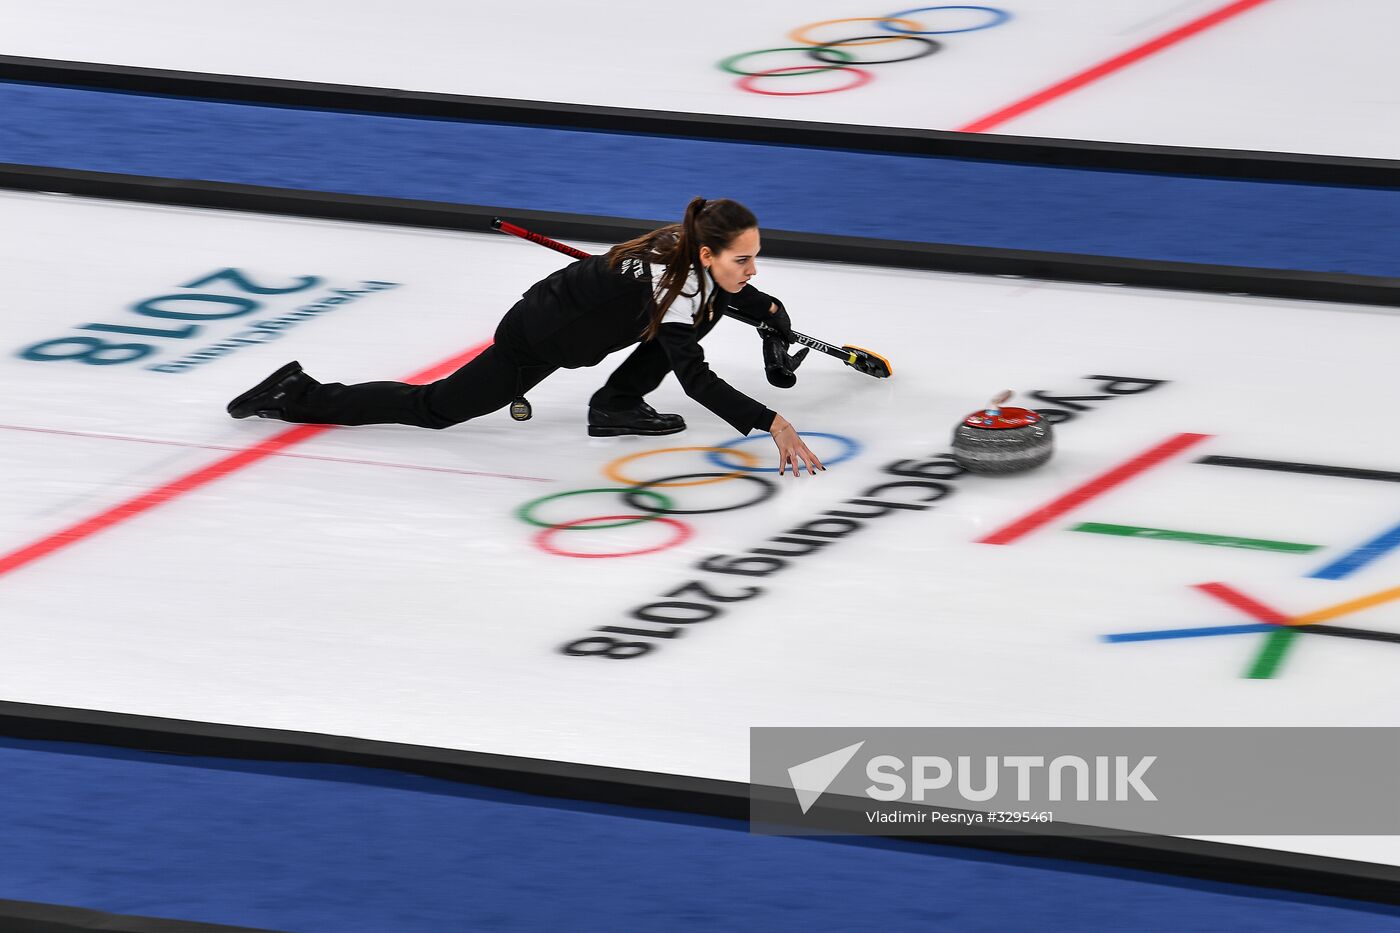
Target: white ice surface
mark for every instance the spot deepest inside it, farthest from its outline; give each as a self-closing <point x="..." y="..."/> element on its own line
<point x="397" y="598"/>
<point x="1290" y="75"/>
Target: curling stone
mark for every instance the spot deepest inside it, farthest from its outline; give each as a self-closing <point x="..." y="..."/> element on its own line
<point x="1002" y="440"/>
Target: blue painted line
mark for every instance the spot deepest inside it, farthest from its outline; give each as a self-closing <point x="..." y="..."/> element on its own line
<point x="1161" y="634"/>
<point x="1349" y="563"/>
<point x="969" y="202"/>
<point x="341" y="849"/>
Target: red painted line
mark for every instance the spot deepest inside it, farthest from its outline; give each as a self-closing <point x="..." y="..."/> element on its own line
<point x="1246" y="604"/>
<point x="1093" y="488"/>
<point x="177" y="487"/>
<point x="1104" y="69"/>
<point x="132" y="439"/>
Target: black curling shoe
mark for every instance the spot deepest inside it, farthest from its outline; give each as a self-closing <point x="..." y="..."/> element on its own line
<point x="640" y="420"/>
<point x="268" y="398"/>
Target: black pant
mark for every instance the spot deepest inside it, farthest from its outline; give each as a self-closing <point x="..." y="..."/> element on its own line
<point x="500" y="374"/>
<point x="638" y="375"/>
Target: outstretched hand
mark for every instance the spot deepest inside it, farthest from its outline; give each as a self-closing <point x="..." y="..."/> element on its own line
<point x="792" y="450"/>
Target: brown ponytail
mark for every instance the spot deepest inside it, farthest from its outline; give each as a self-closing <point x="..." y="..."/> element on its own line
<point x="707" y="223"/>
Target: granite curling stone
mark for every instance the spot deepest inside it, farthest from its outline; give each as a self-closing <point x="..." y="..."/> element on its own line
<point x="1002" y="440"/>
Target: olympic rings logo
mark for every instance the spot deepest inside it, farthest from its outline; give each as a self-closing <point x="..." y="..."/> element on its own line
<point x="831" y="55"/>
<point x="643" y="502"/>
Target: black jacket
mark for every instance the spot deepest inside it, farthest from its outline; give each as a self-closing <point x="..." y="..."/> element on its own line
<point x="585" y="311"/>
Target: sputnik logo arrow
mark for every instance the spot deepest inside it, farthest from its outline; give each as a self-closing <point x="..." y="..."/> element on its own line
<point x="811" y="778"/>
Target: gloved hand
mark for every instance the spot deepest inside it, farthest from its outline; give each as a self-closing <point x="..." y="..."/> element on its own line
<point x="780" y="322"/>
<point x="773" y="319"/>
<point x="781" y="368"/>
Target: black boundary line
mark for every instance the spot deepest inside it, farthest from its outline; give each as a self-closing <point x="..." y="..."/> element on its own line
<point x="55" y="918"/>
<point x="1068" y="267"/>
<point x="1312" y="469"/>
<point x="1175" y="160"/>
<point x="1188" y="858"/>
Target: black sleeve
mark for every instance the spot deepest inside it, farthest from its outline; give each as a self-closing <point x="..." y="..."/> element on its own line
<point x="749" y="305"/>
<point x="700" y="383"/>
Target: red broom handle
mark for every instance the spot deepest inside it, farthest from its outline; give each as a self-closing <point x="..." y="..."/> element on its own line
<point x="506" y="226"/>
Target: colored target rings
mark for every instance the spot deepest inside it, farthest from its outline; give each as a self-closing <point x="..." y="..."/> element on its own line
<point x="661" y="502"/>
<point x="923" y="49"/>
<point x="835" y="55"/>
<point x="849" y="449"/>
